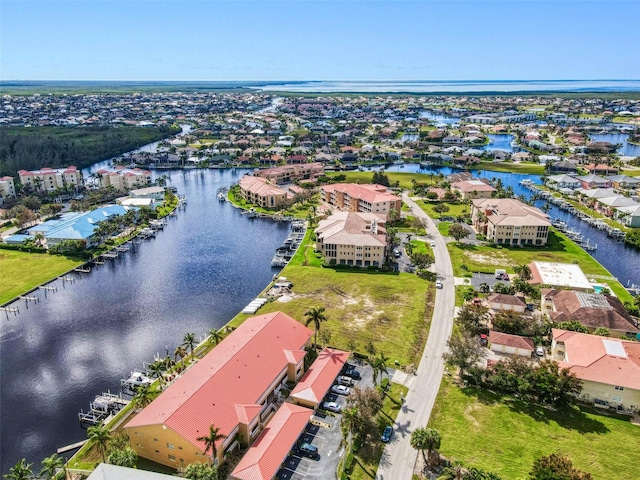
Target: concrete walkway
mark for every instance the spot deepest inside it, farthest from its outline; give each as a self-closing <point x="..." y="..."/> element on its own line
<point x="398" y="458"/>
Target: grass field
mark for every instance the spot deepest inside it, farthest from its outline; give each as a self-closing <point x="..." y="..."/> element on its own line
<point x="22" y="271"/>
<point x="506" y="436"/>
<point x="455" y="209"/>
<point x="368" y="457"/>
<point x="560" y="249"/>
<point x="527" y="168"/>
<point x="391" y="310"/>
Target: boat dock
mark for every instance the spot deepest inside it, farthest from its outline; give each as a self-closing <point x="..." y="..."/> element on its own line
<point x="73" y="446"/>
<point x="101" y="408"/>
<point x="285" y="252"/>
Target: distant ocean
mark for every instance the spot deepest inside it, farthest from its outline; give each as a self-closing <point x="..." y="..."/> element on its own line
<point x="455" y="86"/>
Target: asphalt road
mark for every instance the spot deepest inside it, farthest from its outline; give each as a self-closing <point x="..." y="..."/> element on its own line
<point x="398" y="459"/>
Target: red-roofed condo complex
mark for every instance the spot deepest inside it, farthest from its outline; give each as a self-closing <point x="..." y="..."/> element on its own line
<point x="235" y="387"/>
<point x="353" y="197"/>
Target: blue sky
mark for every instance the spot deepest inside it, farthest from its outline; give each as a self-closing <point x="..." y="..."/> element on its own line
<point x="318" y="40"/>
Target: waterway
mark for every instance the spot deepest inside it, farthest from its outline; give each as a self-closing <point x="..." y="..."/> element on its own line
<point x="205" y="266"/>
<point x="622" y="260"/>
<point x="627" y="149"/>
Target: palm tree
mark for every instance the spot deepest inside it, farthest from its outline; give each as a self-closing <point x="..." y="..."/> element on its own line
<point x="189" y="341"/>
<point x="379" y="365"/>
<point x="215" y="335"/>
<point x="157" y="368"/>
<point x="523" y="271"/>
<point x="425" y="439"/>
<point x="52" y="467"/>
<point x="484" y="288"/>
<point x="180" y="352"/>
<point x="100" y="434"/>
<point x="20" y="471"/>
<point x="144" y="396"/>
<point x="211" y="439"/>
<point x="315" y="315"/>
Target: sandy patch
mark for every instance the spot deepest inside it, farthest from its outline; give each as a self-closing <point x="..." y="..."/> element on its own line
<point x="468" y="414"/>
<point x="495" y="259"/>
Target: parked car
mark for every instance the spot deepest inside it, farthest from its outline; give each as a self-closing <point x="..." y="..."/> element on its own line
<point x="340" y="390"/>
<point x="345" y="380"/>
<point x="387" y="434"/>
<point x="308" y="450"/>
<point x="397" y="253"/>
<point x="484" y="339"/>
<point x="433" y="244"/>
<point x="540" y="351"/>
<point x="353" y="373"/>
<point x="332" y="407"/>
<point x="439" y="284"/>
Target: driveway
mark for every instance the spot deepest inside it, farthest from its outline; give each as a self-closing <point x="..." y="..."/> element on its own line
<point x="398" y="458"/>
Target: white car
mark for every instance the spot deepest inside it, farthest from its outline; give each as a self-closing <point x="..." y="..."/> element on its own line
<point x="540" y="351"/>
<point x="332" y="407"/>
<point x="433" y="244"/>
<point x="439" y="284"/>
<point x="340" y="390"/>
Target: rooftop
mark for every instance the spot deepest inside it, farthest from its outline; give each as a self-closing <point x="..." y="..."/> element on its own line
<point x="566" y="275"/>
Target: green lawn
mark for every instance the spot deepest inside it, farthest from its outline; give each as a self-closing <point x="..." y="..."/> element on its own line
<point x="22" y="271"/>
<point x="368" y="456"/>
<point x="403" y="179"/>
<point x="455" y="209"/>
<point x="393" y="311"/>
<point x="530" y="168"/>
<point x="505" y="437"/>
<point x="559" y="249"/>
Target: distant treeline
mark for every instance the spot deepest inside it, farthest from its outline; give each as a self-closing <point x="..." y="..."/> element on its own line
<point x="31" y="148"/>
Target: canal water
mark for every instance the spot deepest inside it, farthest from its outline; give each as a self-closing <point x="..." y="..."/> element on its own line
<point x="205" y="266"/>
<point x="627" y="149"/>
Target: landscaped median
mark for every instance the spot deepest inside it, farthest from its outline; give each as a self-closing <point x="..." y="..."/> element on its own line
<point x="505" y="436"/>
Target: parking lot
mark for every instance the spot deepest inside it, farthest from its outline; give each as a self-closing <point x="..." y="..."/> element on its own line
<point x="324" y="433"/>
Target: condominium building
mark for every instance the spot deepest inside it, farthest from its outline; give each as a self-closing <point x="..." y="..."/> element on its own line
<point x="235" y="388"/>
<point x="7" y="188"/>
<point x="352" y="238"/>
<point x="354" y="197"/>
<point x="510" y="222"/>
<point x="262" y="192"/>
<point x="290" y="173"/>
<point x="51" y="179"/>
<point x="124" y="179"/>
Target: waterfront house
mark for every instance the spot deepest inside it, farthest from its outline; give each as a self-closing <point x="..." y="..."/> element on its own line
<point x="559" y="276"/>
<point x="235" y="387"/>
<point x="507" y="221"/>
<point x="157" y="193"/>
<point x="593" y="310"/>
<point x="566" y="166"/>
<point x="367" y="198"/>
<point x="472" y="189"/>
<point x="629" y="216"/>
<point x="609" y="368"/>
<point x="352" y="238"/>
<point x="51" y="179"/>
<point x="623" y="181"/>
<point x="594" y="181"/>
<point x="563" y="182"/>
<point x="261" y="192"/>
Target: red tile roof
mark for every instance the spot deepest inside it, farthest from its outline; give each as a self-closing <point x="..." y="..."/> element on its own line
<point x="315" y="384"/>
<point x="262" y="461"/>
<point x="600" y="359"/>
<point x="237" y="372"/>
<point x="516" y="341"/>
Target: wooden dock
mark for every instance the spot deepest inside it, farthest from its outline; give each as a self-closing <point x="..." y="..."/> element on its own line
<point x="73" y="446"/>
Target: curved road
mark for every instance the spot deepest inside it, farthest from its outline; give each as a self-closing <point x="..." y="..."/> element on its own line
<point x="398" y="459"/>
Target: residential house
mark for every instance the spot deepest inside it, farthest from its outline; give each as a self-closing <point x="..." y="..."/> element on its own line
<point x="623" y="181"/>
<point x="503" y="301"/>
<point x="629" y="216"/>
<point x="563" y="182"/>
<point x="51" y="179"/>
<point x="507" y="221"/>
<point x="566" y="166"/>
<point x="511" y="344"/>
<point x="594" y="181"/>
<point x="352" y="238"/>
<point x="262" y="192"/>
<point x="559" y="276"/>
<point x="472" y="189"/>
<point x="361" y="198"/>
<point x="593" y="310"/>
<point x="609" y="368"/>
<point x="235" y="387"/>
